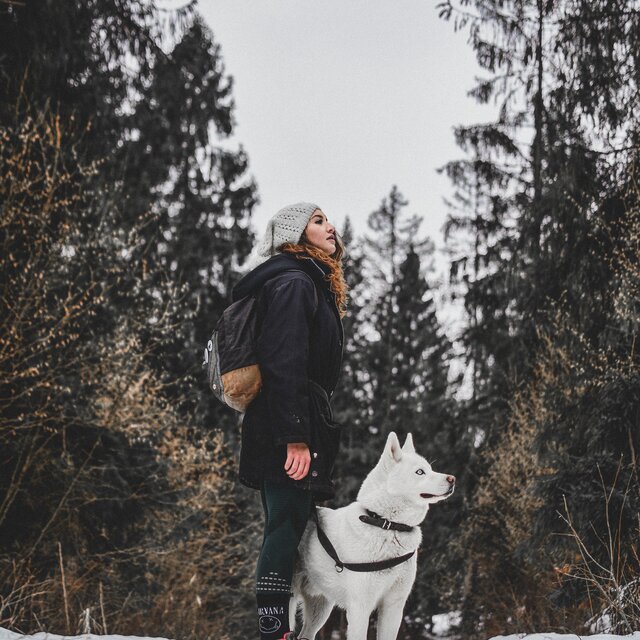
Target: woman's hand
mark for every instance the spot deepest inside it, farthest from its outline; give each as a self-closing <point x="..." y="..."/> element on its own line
<point x="298" y="460"/>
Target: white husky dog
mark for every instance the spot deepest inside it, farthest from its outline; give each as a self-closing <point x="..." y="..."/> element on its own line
<point x="398" y="491"/>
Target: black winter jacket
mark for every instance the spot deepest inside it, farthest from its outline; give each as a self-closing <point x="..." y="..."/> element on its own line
<point x="300" y="348"/>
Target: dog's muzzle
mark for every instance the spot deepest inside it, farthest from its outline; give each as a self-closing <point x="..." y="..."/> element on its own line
<point x="452" y="485"/>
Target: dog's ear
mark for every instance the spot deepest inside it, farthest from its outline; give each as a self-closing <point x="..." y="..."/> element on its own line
<point x="408" y="447"/>
<point x="392" y="450"/>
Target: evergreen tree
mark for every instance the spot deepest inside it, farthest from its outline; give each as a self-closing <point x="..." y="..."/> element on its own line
<point x="524" y="200"/>
<point x="394" y="234"/>
<point x="129" y="275"/>
<point x="199" y="193"/>
<point x="154" y="103"/>
<point x="99" y="468"/>
<point x="419" y="367"/>
<point x="423" y="405"/>
<point x="81" y="60"/>
<point x="538" y="200"/>
<point x="390" y="296"/>
<point x="352" y="397"/>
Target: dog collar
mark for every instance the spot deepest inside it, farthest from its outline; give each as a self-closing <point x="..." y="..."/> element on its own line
<point x="378" y="521"/>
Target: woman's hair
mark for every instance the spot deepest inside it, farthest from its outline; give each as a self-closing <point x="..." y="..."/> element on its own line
<point x="335" y="276"/>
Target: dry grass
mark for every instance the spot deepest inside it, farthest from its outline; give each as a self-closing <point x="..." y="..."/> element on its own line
<point x="611" y="574"/>
<point x="518" y="577"/>
<point x="115" y="510"/>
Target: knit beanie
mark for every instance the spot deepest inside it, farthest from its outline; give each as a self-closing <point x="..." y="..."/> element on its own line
<point x="285" y="226"/>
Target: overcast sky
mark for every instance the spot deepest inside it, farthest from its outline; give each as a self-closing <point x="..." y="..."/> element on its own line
<point x="338" y="100"/>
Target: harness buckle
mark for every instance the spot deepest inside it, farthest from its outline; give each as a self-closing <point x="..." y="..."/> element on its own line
<point x="339" y="568"/>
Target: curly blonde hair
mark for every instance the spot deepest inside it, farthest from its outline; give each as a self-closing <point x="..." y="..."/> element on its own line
<point x="335" y="277"/>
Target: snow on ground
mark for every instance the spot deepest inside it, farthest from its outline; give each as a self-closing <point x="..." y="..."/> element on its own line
<point x="5" y="634"/>
<point x="443" y="622"/>
<point x="567" y="636"/>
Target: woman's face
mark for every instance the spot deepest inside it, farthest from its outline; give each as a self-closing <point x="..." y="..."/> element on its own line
<point x="321" y="233"/>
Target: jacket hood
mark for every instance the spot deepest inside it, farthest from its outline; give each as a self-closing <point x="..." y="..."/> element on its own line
<point x="253" y="281"/>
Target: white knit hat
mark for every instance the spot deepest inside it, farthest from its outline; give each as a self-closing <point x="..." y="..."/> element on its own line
<point x="285" y="226"/>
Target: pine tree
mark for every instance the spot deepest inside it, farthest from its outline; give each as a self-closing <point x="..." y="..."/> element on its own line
<point x="153" y="97"/>
<point x="395" y="342"/>
<point x="394" y="233"/>
<point x="351" y="401"/>
<point x="199" y="193"/>
<point x="542" y="211"/>
<point x="424" y="405"/>
<point x="419" y="366"/>
<point x="128" y="276"/>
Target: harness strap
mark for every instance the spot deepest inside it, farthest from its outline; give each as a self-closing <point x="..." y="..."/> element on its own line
<point x="354" y="566"/>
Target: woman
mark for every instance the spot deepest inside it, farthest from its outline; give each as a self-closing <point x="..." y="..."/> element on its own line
<point x="289" y="438"/>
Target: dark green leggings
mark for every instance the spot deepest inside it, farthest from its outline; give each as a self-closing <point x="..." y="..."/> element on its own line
<point x="286" y="511"/>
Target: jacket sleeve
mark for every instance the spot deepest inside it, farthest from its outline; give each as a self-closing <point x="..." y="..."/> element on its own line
<point x="283" y="354"/>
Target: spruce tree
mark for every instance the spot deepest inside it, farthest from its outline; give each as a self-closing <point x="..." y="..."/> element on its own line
<point x="395" y="377"/>
<point x="199" y="193"/>
<point x="539" y="198"/>
<point x="424" y="405"/>
<point x="351" y="401"/>
<point x="154" y="104"/>
<point x="394" y="233"/>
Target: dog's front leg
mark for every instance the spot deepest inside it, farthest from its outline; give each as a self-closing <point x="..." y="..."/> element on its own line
<point x="389" y="619"/>
<point x="357" y="621"/>
<point x="315" y="611"/>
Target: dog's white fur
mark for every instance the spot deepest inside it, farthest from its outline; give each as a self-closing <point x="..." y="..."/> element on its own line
<point x="395" y="490"/>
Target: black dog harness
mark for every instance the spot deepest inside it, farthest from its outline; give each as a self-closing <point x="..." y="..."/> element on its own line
<point x="372" y="519"/>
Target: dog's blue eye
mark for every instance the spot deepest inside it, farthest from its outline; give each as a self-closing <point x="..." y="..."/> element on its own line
<point x="420" y="472"/>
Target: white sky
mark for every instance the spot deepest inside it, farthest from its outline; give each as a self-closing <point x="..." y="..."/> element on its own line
<point x="338" y="100"/>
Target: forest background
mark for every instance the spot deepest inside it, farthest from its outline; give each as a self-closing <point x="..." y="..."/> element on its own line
<point x="124" y="218"/>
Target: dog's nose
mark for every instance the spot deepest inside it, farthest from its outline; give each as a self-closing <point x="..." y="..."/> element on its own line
<point x="451" y="479"/>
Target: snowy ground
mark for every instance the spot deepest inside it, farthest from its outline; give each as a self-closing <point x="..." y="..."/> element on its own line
<point x="567" y="636"/>
<point x="5" y="634"/>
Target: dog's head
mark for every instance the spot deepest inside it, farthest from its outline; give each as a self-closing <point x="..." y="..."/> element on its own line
<point x="403" y="474"/>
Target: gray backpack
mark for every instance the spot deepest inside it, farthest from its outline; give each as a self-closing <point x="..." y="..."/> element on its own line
<point x="230" y="357"/>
